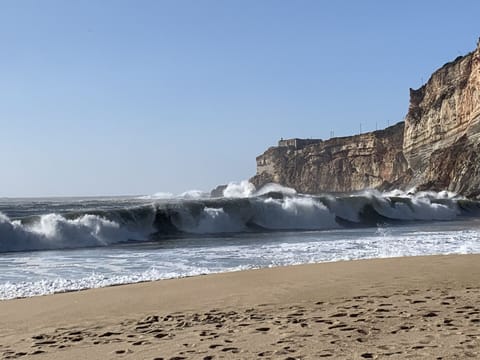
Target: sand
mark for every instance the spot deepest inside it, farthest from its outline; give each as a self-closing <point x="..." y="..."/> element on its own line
<point x="416" y="307"/>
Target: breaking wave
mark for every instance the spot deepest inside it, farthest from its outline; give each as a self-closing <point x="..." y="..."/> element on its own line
<point x="242" y="209"/>
<point x="53" y="231"/>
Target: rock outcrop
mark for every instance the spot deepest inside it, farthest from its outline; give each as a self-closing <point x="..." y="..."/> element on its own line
<point x="369" y="160"/>
<point x="442" y="128"/>
<point x="437" y="147"/>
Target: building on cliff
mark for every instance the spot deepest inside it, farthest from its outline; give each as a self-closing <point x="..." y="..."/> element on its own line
<point x="297" y="143"/>
<point x="437" y="146"/>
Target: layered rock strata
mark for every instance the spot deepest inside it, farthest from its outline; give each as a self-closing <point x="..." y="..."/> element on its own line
<point x="369" y="160"/>
<point x="442" y="128"/>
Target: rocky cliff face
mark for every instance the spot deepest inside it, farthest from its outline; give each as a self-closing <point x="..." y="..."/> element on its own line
<point x="369" y="160"/>
<point x="438" y="146"/>
<point x="442" y="128"/>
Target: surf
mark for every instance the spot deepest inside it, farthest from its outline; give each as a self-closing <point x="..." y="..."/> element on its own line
<point x="242" y="208"/>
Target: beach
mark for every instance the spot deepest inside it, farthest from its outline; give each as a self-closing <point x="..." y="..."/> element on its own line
<point x="239" y="181"/>
<point x="410" y="307"/>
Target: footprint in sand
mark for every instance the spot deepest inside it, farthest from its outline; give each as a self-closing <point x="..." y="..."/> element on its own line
<point x="337" y="326"/>
<point x="340" y="314"/>
<point x="123" y="351"/>
<point x="108" y="334"/>
<point x="149" y="320"/>
<point x="140" y="342"/>
<point x="263" y="329"/>
<point x="161" y="335"/>
<point x="37" y="352"/>
<point x="45" y="342"/>
<point x="367" y="355"/>
<point x="265" y="353"/>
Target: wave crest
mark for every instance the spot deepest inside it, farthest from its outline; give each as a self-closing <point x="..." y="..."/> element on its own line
<point x="53" y="231"/>
<point x="271" y="208"/>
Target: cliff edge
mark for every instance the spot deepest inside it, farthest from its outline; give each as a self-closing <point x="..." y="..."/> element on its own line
<point x="442" y="128"/>
<point x="369" y="160"/>
<point x="437" y="147"/>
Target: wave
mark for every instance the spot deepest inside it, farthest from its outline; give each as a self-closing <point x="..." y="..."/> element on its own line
<point x="239" y="189"/>
<point x="243" y="209"/>
<point x="234" y="189"/>
<point x="293" y="213"/>
<point x="53" y="231"/>
<point x="190" y="194"/>
<point x="244" y="189"/>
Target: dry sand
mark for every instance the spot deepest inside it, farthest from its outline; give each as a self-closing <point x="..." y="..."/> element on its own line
<point x="418" y="307"/>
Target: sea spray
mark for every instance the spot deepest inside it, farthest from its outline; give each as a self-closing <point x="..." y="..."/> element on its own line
<point x="244" y="209"/>
<point x="53" y="231"/>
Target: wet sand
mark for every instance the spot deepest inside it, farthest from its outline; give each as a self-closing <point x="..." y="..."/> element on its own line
<point x="402" y="308"/>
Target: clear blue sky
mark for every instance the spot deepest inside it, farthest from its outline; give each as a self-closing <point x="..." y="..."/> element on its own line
<point x="137" y="97"/>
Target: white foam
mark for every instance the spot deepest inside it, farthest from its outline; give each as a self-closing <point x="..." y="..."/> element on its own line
<point x="158" y="196"/>
<point x="438" y="195"/>
<point x="293" y="213"/>
<point x="417" y="209"/>
<point x="186" y="195"/>
<point x="272" y="187"/>
<point x="53" y="231"/>
<point x="211" y="221"/>
<point x="398" y="205"/>
<point x="10" y="290"/>
<point x="244" y="189"/>
<point x="265" y="251"/>
<point x="240" y="189"/>
<point x="194" y="194"/>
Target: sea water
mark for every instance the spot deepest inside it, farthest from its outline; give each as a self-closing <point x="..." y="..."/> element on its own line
<point x="64" y="244"/>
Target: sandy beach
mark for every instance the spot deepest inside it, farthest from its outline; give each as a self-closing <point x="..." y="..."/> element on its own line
<point x="413" y="307"/>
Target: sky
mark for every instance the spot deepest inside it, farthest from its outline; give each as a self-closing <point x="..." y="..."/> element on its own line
<point x="132" y="97"/>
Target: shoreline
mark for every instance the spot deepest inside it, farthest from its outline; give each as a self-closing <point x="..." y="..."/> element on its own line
<point x="156" y="319"/>
<point x="228" y="271"/>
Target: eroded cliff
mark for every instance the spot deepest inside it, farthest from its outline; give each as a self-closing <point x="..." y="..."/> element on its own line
<point x="442" y="128"/>
<point x="438" y="146"/>
<point x="369" y="160"/>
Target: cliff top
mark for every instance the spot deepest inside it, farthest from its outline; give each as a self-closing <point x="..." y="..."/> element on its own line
<point x="446" y="67"/>
<point x="299" y="143"/>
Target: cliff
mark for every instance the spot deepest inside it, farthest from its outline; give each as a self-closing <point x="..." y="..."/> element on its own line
<point x="437" y="147"/>
<point x="442" y="128"/>
<point x="369" y="160"/>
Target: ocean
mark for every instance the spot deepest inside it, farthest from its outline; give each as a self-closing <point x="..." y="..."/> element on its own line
<point x="64" y="244"/>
